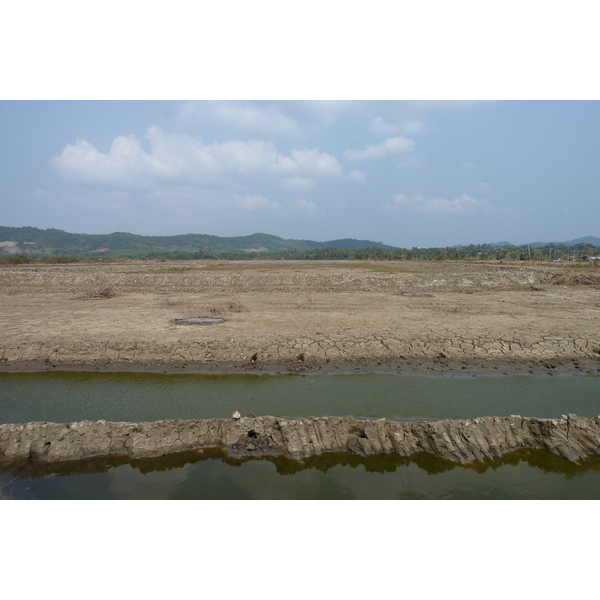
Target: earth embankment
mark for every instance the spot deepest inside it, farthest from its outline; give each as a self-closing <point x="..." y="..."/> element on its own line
<point x="480" y="439"/>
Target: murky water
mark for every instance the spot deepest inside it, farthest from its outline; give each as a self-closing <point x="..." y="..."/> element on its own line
<point x="72" y="396"/>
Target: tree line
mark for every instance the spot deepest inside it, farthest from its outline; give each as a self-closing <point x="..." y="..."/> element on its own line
<point x="483" y="252"/>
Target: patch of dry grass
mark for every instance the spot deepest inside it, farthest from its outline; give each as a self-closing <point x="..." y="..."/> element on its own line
<point x="581" y="278"/>
<point x="101" y="291"/>
<point x="236" y="307"/>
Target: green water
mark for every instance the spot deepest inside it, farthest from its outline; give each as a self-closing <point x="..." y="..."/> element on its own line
<point x="211" y="475"/>
<point x="72" y="396"/>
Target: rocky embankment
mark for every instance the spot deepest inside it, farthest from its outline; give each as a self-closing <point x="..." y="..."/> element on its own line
<point x="572" y="437"/>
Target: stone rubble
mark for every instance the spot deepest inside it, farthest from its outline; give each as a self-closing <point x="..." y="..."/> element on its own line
<point x="479" y="439"/>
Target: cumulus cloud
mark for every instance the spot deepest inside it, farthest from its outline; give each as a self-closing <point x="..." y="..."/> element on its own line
<point x="313" y="161"/>
<point x="378" y="125"/>
<point x="253" y="202"/>
<point x="412" y="127"/>
<point x="266" y="120"/>
<point x="484" y="187"/>
<point x="185" y="159"/>
<point x="326" y="112"/>
<point x="124" y="160"/>
<point x="436" y="206"/>
<point x="389" y="146"/>
<point x="308" y="207"/>
<point x="358" y="176"/>
<point x="298" y="183"/>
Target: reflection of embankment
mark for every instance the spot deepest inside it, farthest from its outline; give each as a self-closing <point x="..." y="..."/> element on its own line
<point x="374" y="463"/>
<point x="314" y="440"/>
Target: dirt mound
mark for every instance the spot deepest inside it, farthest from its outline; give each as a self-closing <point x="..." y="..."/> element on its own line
<point x="592" y="279"/>
<point x="257" y="277"/>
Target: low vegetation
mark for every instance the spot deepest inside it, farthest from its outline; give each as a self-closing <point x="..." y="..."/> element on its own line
<point x="22" y="259"/>
<point x="102" y="291"/>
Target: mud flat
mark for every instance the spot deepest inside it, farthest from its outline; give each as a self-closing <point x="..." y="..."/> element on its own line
<point x="421" y="317"/>
<point x="297" y="316"/>
<point x="486" y="438"/>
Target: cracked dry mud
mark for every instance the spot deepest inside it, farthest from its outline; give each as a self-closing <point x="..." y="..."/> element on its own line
<point x="301" y="316"/>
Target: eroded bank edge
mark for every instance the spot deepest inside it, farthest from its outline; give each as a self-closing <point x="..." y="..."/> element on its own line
<point x="459" y="441"/>
<point x="405" y="366"/>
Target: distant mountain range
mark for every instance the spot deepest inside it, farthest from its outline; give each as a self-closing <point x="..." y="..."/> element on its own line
<point x="590" y="240"/>
<point x="33" y="240"/>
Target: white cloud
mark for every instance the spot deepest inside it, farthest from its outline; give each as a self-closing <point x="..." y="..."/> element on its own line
<point x="436" y="206"/>
<point x="326" y="112"/>
<point x="184" y="159"/>
<point x="318" y="163"/>
<point x="412" y="127"/>
<point x="298" y="183"/>
<point x="389" y="146"/>
<point x="308" y="207"/>
<point x="269" y="121"/>
<point x="249" y="118"/>
<point x="252" y="202"/>
<point x="484" y="187"/>
<point x="467" y="165"/>
<point x="378" y="125"/>
<point x="358" y="176"/>
<point x="125" y="159"/>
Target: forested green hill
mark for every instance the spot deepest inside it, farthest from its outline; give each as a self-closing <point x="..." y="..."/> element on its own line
<point x="32" y="240"/>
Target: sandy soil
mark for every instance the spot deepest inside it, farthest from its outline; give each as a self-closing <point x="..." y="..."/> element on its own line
<point x="302" y="316"/>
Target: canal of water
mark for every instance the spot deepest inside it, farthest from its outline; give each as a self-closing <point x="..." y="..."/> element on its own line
<point x="72" y="396"/>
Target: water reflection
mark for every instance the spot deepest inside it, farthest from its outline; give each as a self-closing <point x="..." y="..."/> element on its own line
<point x="212" y="474"/>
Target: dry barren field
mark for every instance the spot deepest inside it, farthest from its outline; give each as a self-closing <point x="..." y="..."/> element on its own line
<point x="297" y="316"/>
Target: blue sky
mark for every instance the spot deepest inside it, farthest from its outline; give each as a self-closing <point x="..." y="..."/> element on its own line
<point x="305" y="122"/>
<point x="400" y="172"/>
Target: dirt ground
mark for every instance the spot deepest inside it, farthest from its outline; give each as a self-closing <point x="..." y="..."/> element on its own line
<point x="302" y="316"/>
